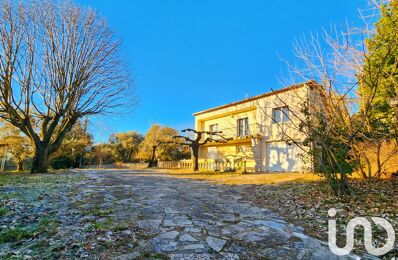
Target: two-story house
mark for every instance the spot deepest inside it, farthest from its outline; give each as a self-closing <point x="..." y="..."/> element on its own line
<point x="257" y="128"/>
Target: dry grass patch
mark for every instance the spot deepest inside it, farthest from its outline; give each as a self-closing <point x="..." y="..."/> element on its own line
<point x="244" y="179"/>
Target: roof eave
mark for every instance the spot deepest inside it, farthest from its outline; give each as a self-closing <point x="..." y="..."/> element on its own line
<point x="272" y="92"/>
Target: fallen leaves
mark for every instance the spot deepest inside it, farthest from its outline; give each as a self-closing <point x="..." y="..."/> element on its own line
<point x="306" y="204"/>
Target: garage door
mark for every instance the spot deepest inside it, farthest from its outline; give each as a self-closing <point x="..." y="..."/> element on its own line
<point x="282" y="157"/>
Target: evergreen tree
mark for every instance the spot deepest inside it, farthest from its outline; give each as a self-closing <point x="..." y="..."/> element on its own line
<point x="379" y="81"/>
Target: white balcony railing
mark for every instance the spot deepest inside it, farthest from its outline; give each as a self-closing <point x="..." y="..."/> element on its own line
<point x="269" y="132"/>
<point x="244" y="132"/>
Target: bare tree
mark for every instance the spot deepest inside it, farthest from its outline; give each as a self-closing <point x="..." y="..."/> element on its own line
<point x="58" y="63"/>
<point x="201" y="138"/>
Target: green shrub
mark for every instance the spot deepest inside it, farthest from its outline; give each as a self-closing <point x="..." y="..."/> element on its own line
<point x="3" y="211"/>
<point x="61" y="163"/>
<point x="15" y="234"/>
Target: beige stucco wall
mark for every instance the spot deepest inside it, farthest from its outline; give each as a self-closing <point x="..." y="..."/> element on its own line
<point x="243" y="150"/>
<point x="228" y="123"/>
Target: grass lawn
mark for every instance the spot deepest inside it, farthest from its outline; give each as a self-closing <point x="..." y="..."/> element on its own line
<point x="56" y="216"/>
<point x="26" y="178"/>
<point x="26" y="215"/>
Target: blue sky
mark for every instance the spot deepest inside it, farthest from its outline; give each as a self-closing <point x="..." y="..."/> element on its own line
<point x="189" y="55"/>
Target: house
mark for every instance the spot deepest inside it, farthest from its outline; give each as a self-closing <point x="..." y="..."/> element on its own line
<point x="257" y="129"/>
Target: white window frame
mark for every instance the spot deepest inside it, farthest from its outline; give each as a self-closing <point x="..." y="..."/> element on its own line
<point x="280" y="115"/>
<point x="242" y="130"/>
<point x="211" y="128"/>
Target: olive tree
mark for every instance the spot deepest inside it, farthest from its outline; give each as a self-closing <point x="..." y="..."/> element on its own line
<point x="58" y="63"/>
<point x="159" y="143"/>
<point x="19" y="146"/>
<point x="126" y="144"/>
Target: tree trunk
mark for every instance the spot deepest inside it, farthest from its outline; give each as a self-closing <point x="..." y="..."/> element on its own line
<point x="195" y="157"/>
<point x="342" y="186"/>
<point x="100" y="162"/>
<point x="20" y="166"/>
<point x="378" y="155"/>
<point x="40" y="162"/>
<point x="152" y="160"/>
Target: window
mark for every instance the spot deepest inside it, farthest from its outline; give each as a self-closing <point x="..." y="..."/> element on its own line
<point x="243" y="127"/>
<point x="243" y="149"/>
<point x="213" y="128"/>
<point x="212" y="152"/>
<point x="280" y="114"/>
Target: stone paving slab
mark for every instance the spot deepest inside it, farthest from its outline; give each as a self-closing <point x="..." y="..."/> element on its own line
<point x="188" y="219"/>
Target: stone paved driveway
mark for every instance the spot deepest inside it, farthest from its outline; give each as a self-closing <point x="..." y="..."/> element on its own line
<point x="187" y="219"/>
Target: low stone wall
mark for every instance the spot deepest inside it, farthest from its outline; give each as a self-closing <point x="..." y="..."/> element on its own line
<point x="169" y="165"/>
<point x="97" y="166"/>
<point x="132" y="165"/>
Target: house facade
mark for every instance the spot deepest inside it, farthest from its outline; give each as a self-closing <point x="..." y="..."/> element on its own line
<point x="257" y="129"/>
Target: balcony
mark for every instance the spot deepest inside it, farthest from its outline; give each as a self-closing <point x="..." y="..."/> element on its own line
<point x="233" y="133"/>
